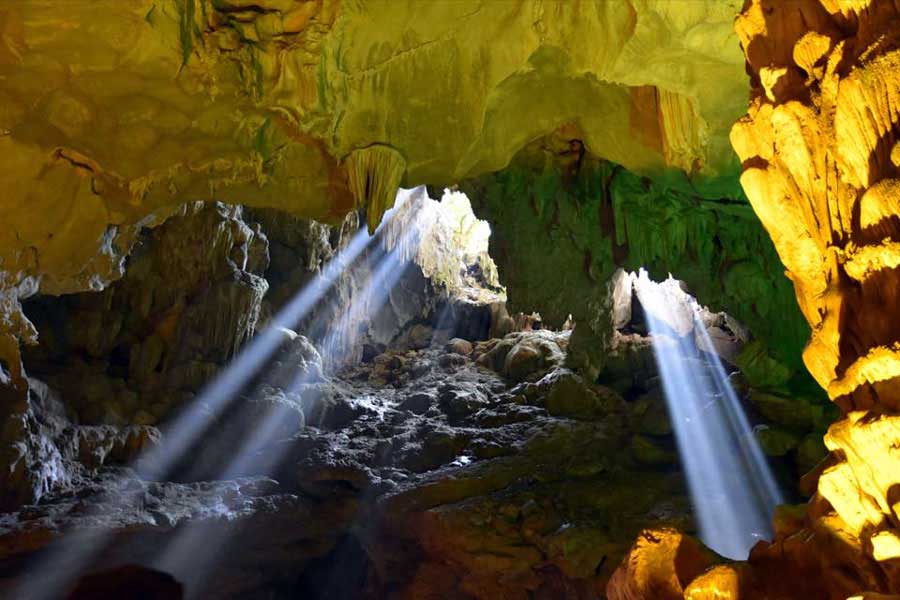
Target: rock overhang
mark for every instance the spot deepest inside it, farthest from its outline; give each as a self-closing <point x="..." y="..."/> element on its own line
<point x="112" y="114"/>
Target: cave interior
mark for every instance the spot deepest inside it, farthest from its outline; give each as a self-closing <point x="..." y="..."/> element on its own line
<point x="460" y="299"/>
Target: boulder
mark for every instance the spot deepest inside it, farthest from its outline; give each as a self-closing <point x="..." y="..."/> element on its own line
<point x="296" y="362"/>
<point x="459" y="346"/>
<point x="660" y="565"/>
<point x="419" y="336"/>
<point x="451" y="361"/>
<point x="776" y="441"/>
<point x="459" y="403"/>
<point x="128" y="581"/>
<point x="722" y="582"/>
<point x="649" y="452"/>
<point x="649" y="415"/>
<point x="630" y="363"/>
<point x="797" y="412"/>
<point x="522" y="360"/>
<point x="418" y="402"/>
<point x="525" y="355"/>
<point x="565" y="393"/>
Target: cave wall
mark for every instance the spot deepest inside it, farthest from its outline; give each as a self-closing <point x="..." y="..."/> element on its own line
<point x="111" y="365"/>
<point x="191" y="296"/>
<point x="821" y="169"/>
<point x="195" y="290"/>
<point x="562" y="222"/>
<point x="113" y="114"/>
<point x="821" y="164"/>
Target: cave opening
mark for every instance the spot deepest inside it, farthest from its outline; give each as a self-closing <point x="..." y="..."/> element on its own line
<point x="378" y="311"/>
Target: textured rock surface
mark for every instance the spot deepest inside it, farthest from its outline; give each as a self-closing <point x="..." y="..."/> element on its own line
<point x="820" y="168"/>
<point x="452" y="479"/>
<point x="418" y="473"/>
<point x="135" y="520"/>
<point x="140" y="348"/>
<point x="562" y="223"/>
<point x="818" y="144"/>
<point x="113" y="111"/>
<point x="660" y="565"/>
<point x="42" y="452"/>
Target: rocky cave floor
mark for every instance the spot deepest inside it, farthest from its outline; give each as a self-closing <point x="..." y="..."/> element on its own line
<point x="459" y="469"/>
<point x="454" y="478"/>
<point x="452" y="458"/>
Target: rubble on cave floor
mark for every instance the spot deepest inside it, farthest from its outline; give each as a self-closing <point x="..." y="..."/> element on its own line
<point x="435" y="466"/>
<point x="441" y="448"/>
<point x="454" y="477"/>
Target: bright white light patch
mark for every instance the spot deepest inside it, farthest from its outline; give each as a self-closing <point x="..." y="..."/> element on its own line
<point x="732" y="489"/>
<point x="885" y="546"/>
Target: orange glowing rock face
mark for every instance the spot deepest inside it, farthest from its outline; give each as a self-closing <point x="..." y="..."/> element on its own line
<point x="821" y="167"/>
<point x="719" y="583"/>
<point x="819" y="148"/>
<point x="661" y="562"/>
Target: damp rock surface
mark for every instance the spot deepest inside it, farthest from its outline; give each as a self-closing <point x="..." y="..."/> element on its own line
<point x="454" y="480"/>
<point x="428" y="444"/>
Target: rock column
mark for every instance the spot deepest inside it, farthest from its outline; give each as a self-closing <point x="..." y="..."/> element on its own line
<point x="821" y="167"/>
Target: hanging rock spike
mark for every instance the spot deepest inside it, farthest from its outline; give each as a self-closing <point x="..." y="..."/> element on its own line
<point x="375" y="173"/>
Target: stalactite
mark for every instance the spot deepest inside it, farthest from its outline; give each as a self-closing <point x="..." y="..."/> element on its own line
<point x="375" y="173"/>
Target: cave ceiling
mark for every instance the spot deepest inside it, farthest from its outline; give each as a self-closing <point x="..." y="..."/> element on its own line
<point x="112" y="112"/>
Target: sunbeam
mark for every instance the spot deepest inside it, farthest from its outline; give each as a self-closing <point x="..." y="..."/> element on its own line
<point x="733" y="492"/>
<point x="214" y="398"/>
<point x="256" y="454"/>
<point x="77" y="549"/>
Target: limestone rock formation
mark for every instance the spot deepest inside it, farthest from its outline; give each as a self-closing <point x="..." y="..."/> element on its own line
<point x="452" y="479"/>
<point x="562" y="224"/>
<point x="592" y="135"/>
<point x="820" y="168"/>
<point x="138" y="349"/>
<point x="112" y="112"/>
<point x="660" y="565"/>
<point x="427" y="474"/>
<point x="818" y="148"/>
<point x="42" y="453"/>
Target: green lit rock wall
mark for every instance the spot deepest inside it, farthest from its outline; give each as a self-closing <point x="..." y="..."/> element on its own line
<point x="560" y="233"/>
<point x="719" y="248"/>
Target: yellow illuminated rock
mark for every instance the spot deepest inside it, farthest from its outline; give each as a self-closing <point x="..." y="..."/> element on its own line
<point x="815" y="153"/>
<point x="818" y="150"/>
<point x="659" y="566"/>
<point x="112" y="111"/>
<point x="885" y="546"/>
<point x="860" y="487"/>
<point x="719" y="583"/>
